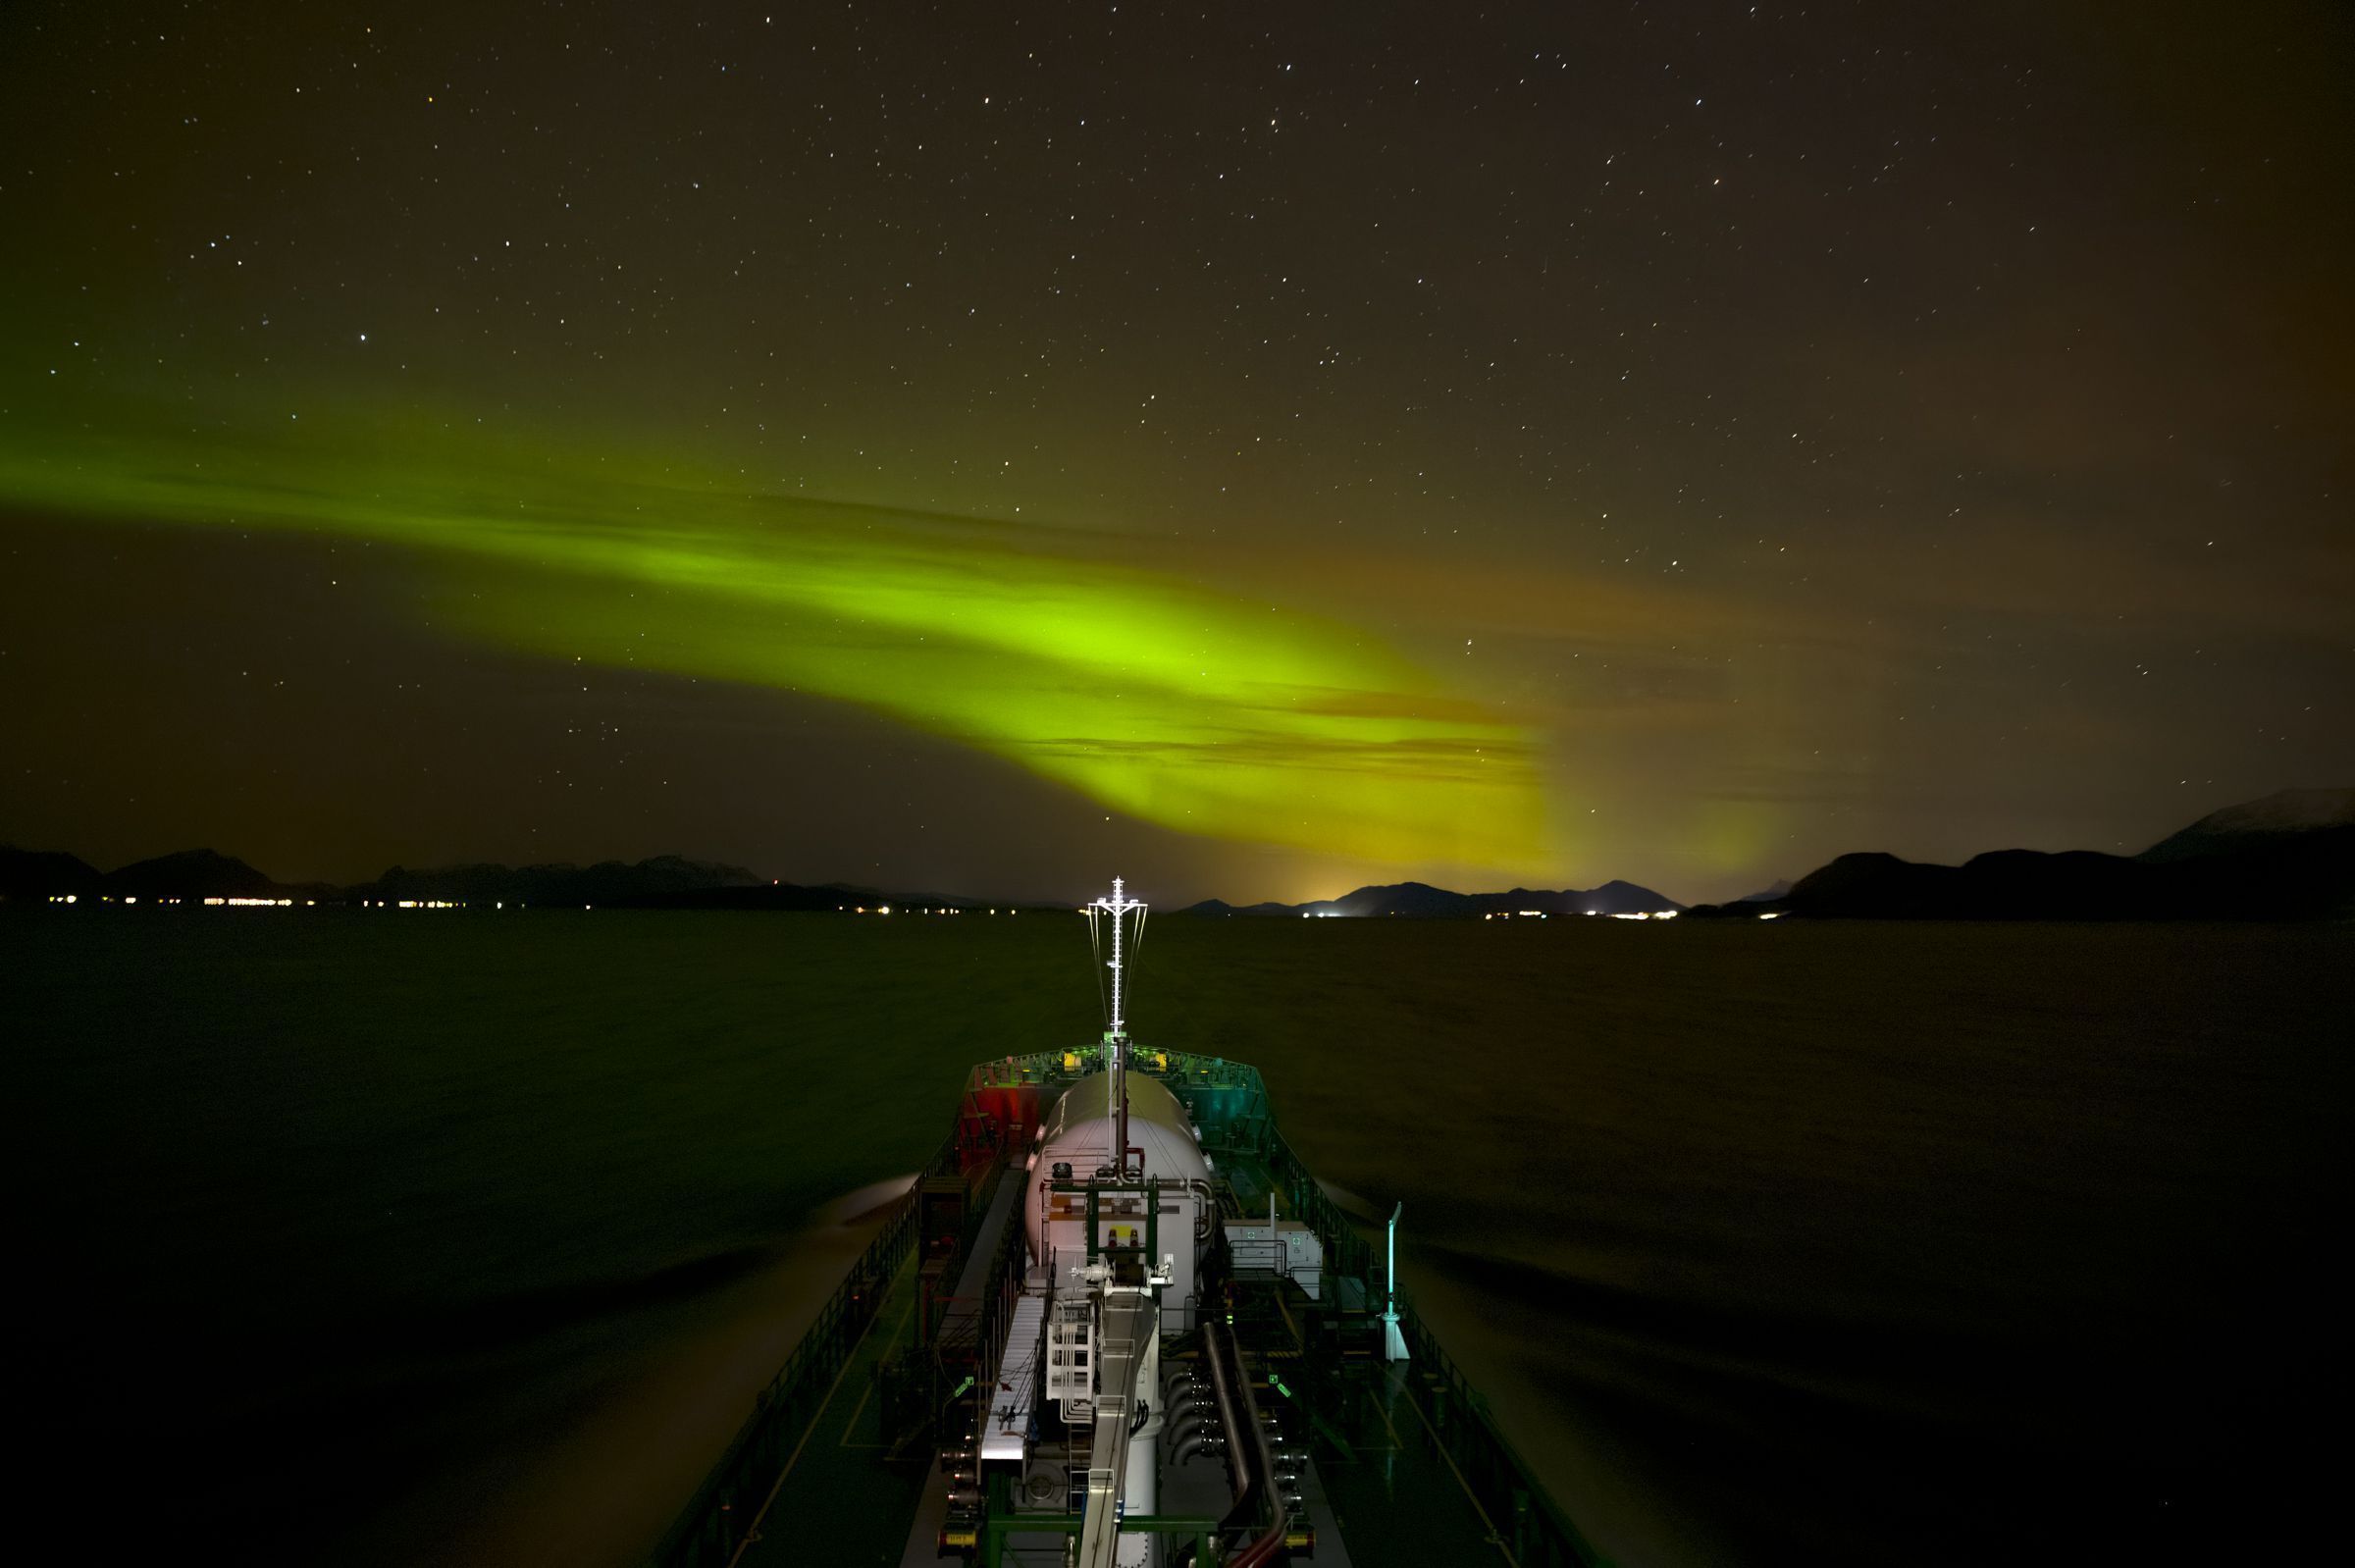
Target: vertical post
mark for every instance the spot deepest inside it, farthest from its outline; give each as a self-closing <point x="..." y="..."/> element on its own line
<point x="1120" y="912"/>
<point x="1116" y="1038"/>
<point x="1394" y="1343"/>
<point x="996" y="1505"/>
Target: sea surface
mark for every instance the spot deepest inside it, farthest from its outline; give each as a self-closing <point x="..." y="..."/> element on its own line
<point x="378" y="1237"/>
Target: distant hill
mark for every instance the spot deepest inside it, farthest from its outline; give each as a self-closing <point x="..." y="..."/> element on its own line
<point x="44" y="873"/>
<point x="606" y="882"/>
<point x="778" y="895"/>
<point x="665" y="881"/>
<point x="2281" y="815"/>
<point x="190" y="875"/>
<point x="1422" y="902"/>
<point x="2290" y="856"/>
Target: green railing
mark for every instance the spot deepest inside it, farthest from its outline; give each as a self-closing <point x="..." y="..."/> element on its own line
<point x="711" y="1527"/>
<point x="1528" y="1523"/>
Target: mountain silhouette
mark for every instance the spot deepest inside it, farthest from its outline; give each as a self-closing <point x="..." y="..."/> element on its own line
<point x="2280" y="816"/>
<point x="45" y="874"/>
<point x="2290" y="856"/>
<point x="608" y="882"/>
<point x="664" y="881"/>
<point x="1420" y="901"/>
<point x="190" y="873"/>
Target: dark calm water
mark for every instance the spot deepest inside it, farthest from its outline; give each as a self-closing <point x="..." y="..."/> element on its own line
<point x="382" y="1238"/>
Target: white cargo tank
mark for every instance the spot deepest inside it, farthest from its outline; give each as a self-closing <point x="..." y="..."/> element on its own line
<point x="1080" y="1133"/>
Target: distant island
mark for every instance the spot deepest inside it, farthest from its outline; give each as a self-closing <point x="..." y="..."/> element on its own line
<point x="665" y="881"/>
<point x="2290" y="856"/>
<point x="1419" y="901"/>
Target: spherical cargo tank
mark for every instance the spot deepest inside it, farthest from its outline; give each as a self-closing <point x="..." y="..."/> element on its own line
<point x="1080" y="1132"/>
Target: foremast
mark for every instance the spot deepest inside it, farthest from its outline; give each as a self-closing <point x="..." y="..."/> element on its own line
<point x="1117" y="910"/>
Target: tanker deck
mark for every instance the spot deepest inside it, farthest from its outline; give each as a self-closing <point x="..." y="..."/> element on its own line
<point x="1115" y="1323"/>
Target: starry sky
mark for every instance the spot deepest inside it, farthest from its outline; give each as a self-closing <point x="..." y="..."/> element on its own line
<point x="1259" y="449"/>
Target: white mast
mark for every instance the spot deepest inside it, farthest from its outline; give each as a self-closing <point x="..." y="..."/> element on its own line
<point x="1118" y="906"/>
<point x="1116" y="1038"/>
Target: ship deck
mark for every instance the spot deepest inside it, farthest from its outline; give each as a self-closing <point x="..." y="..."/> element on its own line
<point x="1382" y="1490"/>
<point x="839" y="1461"/>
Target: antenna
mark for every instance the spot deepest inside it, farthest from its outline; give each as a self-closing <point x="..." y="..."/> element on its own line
<point x="1116" y="1038"/>
<point x="1118" y="907"/>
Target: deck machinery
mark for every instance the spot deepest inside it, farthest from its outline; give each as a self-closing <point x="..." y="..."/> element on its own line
<point x="1120" y="1220"/>
<point x="1119" y="1324"/>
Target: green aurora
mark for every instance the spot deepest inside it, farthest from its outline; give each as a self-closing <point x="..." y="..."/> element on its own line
<point x="1179" y="703"/>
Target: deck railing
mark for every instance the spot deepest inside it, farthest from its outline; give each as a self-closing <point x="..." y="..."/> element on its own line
<point x="1526" y="1521"/>
<point x="972" y="1343"/>
<point x="713" y="1525"/>
<point x="711" y="1529"/>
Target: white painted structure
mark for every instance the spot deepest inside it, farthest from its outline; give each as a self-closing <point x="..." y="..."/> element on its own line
<point x="1080" y="1132"/>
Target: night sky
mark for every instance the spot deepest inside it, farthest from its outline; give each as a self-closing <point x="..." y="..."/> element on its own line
<point x="1258" y="451"/>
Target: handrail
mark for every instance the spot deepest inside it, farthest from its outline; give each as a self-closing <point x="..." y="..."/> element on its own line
<point x="1492" y="1469"/>
<point x="704" y="1532"/>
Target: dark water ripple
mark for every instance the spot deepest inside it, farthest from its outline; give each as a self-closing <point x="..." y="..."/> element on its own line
<point x="406" y="1237"/>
